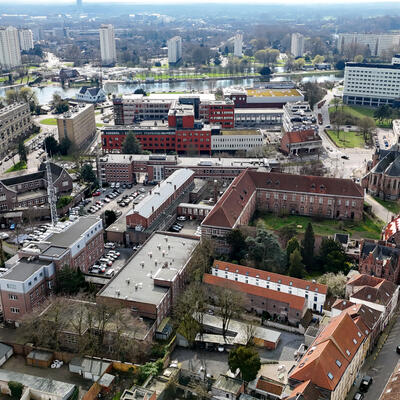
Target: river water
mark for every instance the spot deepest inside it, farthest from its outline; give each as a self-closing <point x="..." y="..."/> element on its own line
<point x="45" y="94"/>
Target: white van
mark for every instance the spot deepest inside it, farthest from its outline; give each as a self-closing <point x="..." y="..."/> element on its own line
<point x="110" y="272"/>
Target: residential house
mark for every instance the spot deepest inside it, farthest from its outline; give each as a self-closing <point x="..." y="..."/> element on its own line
<point x="91" y="94"/>
<point x="226" y="387"/>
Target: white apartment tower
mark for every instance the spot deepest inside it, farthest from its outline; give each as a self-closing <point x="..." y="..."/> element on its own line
<point x="297" y="45"/>
<point x="238" y="45"/>
<point x="25" y="39"/>
<point x="107" y="45"/>
<point x="10" y="53"/>
<point x="174" y="49"/>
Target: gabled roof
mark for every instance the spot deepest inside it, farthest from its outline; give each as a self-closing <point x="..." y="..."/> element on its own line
<point x="295" y="302"/>
<point x="271" y="276"/>
<point x="228" y="384"/>
<point x="269" y="386"/>
<point x="391" y="228"/>
<point x="330" y="354"/>
<point x="304" y="136"/>
<point x="305" y="391"/>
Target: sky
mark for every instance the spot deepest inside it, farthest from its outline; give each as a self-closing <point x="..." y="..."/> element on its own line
<point x="187" y="2"/>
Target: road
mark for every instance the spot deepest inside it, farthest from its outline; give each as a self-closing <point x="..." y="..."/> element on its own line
<point x="381" y="212"/>
<point x="382" y="367"/>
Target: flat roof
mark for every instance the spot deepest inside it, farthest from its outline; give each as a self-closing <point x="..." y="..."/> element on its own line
<point x="162" y="256"/>
<point x="273" y="92"/>
<point x="54" y="251"/>
<point x="246" y="111"/>
<point x="366" y="65"/>
<point x="23" y="269"/>
<point x="44" y="385"/>
<point x="240" y="132"/>
<point x="177" y="96"/>
<point x="31" y="195"/>
<point x="191" y="205"/>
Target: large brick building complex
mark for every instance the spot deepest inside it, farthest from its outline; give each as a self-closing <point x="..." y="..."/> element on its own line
<point x="282" y="194"/>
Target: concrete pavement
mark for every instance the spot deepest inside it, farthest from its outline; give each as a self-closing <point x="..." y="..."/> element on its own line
<point x="380" y="211"/>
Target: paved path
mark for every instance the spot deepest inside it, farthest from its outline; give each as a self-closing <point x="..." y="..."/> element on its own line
<point x="380" y="211"/>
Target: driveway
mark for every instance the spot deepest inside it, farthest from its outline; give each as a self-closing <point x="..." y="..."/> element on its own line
<point x="288" y="344"/>
<point x="380" y="211"/>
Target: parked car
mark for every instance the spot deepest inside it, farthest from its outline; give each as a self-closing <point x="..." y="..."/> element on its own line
<point x="398" y="349"/>
<point x="141" y="190"/>
<point x="97" y="193"/>
<point x="181" y="218"/>
<point x="345" y="157"/>
<point x="358" y="396"/>
<point x="110" y="273"/>
<point x="109" y="245"/>
<point x="117" y="253"/>
<point x="366" y="382"/>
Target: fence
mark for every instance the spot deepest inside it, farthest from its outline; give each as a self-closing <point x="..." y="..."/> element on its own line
<point x="286" y="328"/>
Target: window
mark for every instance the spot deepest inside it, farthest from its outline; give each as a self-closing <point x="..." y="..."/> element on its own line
<point x="14" y="310"/>
<point x="355" y="341"/>
<point x="11" y="286"/>
<point x="13" y="297"/>
<point x="330" y="376"/>
<point x="338" y="363"/>
<point x="348" y="352"/>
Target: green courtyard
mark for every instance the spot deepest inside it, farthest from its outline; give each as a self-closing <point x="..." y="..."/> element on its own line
<point x="346" y="139"/>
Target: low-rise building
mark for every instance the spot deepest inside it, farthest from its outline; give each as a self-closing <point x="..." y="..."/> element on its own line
<point x="380" y="260"/>
<point x="78" y="125"/>
<point x="284" y="306"/>
<point x="138" y="393"/>
<point x="152" y="207"/>
<point x="301" y="142"/>
<point x="91" y="94"/>
<point x="31" y="274"/>
<point x="153" y="278"/>
<point x="15" y="124"/>
<point x="314" y="293"/>
<point x="282" y="194"/>
<point x="299" y="117"/>
<point x="226" y="387"/>
<point x="254" y="117"/>
<point x="237" y="140"/>
<point x="376" y="293"/>
<point x="333" y="361"/>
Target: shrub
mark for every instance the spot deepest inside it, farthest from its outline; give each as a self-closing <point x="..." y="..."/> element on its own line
<point x="16" y="389"/>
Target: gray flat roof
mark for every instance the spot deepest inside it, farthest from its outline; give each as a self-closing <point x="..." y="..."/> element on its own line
<point x="258" y="111"/>
<point x="24" y="269"/>
<point x="54" y="251"/>
<point x="40" y="355"/>
<point x="4" y="349"/>
<point x="72" y="233"/>
<point x="148" y="264"/>
<point x="44" y="385"/>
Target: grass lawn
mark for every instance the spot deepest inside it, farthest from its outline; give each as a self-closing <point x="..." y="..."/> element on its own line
<point x="17" y="167"/>
<point x="30" y="137"/>
<point x="49" y="121"/>
<point x="368" y="228"/>
<point x="99" y="124"/>
<point x="346" y="139"/>
<point x="392" y="206"/>
<point x="360" y="111"/>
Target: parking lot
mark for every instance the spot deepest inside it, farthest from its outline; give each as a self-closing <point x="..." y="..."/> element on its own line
<point x="189" y="227"/>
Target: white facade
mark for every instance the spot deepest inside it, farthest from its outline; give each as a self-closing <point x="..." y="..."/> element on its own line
<point x="10" y="53"/>
<point x="297" y="45"/>
<point x="371" y="84"/>
<point x="378" y="44"/>
<point x="25" y="39"/>
<point x="92" y="95"/>
<point x="107" y="45"/>
<point x="236" y="142"/>
<point x="238" y="45"/>
<point x="174" y="49"/>
<point x="315" y="300"/>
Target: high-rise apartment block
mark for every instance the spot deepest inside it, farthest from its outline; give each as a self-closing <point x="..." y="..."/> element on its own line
<point x="78" y="124"/>
<point x="107" y="45"/>
<point x="377" y="44"/>
<point x="10" y="52"/>
<point x="297" y="45"/>
<point x="238" y="45"/>
<point x="174" y="49"/>
<point x="25" y="39"/>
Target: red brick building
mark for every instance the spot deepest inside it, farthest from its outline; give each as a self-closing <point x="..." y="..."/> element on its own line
<point x="300" y="142"/>
<point x="218" y="112"/>
<point x="281" y="194"/>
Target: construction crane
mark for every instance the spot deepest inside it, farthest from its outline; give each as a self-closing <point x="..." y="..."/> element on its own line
<point x="51" y="192"/>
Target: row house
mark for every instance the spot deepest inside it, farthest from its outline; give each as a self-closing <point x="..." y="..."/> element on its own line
<point x="30" y="276"/>
<point x="314" y="293"/>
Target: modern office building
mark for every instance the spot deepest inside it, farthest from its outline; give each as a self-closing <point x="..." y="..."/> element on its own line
<point x="376" y="44"/>
<point x="238" y="45"/>
<point x="15" y="123"/>
<point x="174" y="49"/>
<point x="78" y="124"/>
<point x="10" y="52"/>
<point x="371" y="85"/>
<point x="231" y="140"/>
<point x="107" y="45"/>
<point x="25" y="39"/>
<point x="298" y="116"/>
<point x="297" y="45"/>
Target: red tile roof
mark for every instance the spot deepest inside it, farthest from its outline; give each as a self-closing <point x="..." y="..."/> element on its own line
<point x="284" y="279"/>
<point x="341" y="304"/>
<point x="295" y="302"/>
<point x="266" y="385"/>
<point x="307" y="389"/>
<point x="391" y="228"/>
<point x="308" y="135"/>
<point x="330" y="354"/>
<point x="229" y="207"/>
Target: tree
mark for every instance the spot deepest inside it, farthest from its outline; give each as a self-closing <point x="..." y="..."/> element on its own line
<point x="265" y="252"/>
<point x="64" y="201"/>
<point x="140" y="91"/>
<point x="69" y="281"/>
<point x="292" y="245"/>
<point x="367" y="127"/>
<point x="237" y="242"/>
<point x="332" y="257"/>
<point x="340" y="65"/>
<point x="286" y="233"/>
<point x="16" y="389"/>
<point x="313" y="93"/>
<point x="336" y="102"/>
<point x="110" y="217"/>
<point x="60" y="105"/>
<point x="265" y="71"/>
<point x="359" y="58"/>
<point x="50" y="145"/>
<point x="336" y="283"/>
<point x="307" y="247"/>
<point x="318" y="59"/>
<point x="64" y="146"/>
<point x="247" y="360"/>
<point x="299" y="63"/>
<point x="22" y="152"/>
<point x="87" y="174"/>
<point x="131" y="145"/>
<point x="296" y="267"/>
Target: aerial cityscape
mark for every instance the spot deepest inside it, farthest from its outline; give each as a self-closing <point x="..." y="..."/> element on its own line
<point x="199" y="200"/>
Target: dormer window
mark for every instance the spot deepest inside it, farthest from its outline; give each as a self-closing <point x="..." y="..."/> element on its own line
<point x="330" y="375"/>
<point x="338" y="363"/>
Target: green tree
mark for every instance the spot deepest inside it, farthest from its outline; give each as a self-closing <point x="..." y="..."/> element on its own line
<point x="307" y="247"/>
<point x="23" y="156"/>
<point x="16" y="389"/>
<point x="359" y="58"/>
<point x="296" y="267"/>
<point x="237" y="242"/>
<point x="313" y="93"/>
<point x="336" y="283"/>
<point x="265" y="71"/>
<point x="64" y="201"/>
<point x="367" y="127"/>
<point x="332" y="257"/>
<point x="110" y="217"/>
<point x="131" y="145"/>
<point x="50" y="145"/>
<point x="140" y="91"/>
<point x="286" y="233"/>
<point x="247" y="360"/>
<point x="383" y="112"/>
<point x="87" y="174"/>
<point x="318" y="59"/>
<point x="69" y="281"/>
<point x="292" y="245"/>
<point x="299" y="63"/>
<point x="64" y="146"/>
